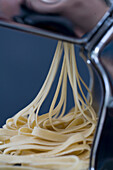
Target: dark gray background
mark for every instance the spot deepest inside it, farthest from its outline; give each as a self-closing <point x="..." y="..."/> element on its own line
<point x="24" y="64"/>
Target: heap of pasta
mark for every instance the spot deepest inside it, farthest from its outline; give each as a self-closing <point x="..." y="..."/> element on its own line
<point x="55" y="140"/>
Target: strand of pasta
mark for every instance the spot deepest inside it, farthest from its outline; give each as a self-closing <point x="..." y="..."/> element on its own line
<point x="54" y="140"/>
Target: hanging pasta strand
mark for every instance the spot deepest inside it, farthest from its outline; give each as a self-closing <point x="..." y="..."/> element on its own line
<point x="55" y="140"/>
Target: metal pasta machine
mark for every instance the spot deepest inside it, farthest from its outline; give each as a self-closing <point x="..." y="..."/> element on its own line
<point x="97" y="48"/>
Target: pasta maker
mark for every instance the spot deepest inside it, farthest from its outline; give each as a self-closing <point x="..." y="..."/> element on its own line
<point x="95" y="47"/>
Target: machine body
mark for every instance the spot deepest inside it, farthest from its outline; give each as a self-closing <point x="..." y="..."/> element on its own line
<point x="95" y="47"/>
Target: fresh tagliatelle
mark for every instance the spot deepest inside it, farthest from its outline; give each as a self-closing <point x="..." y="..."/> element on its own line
<point x="55" y="140"/>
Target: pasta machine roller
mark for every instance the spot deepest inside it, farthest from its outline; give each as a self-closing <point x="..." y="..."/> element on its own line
<point x="96" y="47"/>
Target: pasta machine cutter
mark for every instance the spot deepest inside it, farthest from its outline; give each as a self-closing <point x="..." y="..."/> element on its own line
<point x="97" y="48"/>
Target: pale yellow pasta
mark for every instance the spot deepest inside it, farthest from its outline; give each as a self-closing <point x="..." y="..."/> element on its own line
<point x="55" y="140"/>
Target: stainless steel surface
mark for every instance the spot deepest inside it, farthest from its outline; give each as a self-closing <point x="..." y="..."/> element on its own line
<point x="20" y="15"/>
<point x="109" y="2"/>
<point x="100" y="70"/>
<point x="50" y="1"/>
<point x="102" y="65"/>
